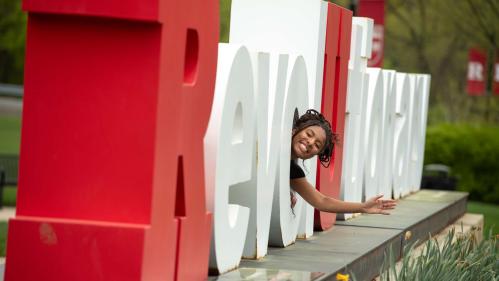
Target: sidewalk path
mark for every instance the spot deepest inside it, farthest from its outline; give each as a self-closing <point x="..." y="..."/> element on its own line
<point x="11" y="107"/>
<point x="6" y="213"/>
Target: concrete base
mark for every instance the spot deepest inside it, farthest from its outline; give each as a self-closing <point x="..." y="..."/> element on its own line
<point x="357" y="245"/>
<point x="418" y="215"/>
<point x="11" y="107"/>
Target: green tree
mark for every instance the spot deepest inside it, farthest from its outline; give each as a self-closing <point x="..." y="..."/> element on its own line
<point x="225" y="6"/>
<point x="434" y="37"/>
<point x="12" y="41"/>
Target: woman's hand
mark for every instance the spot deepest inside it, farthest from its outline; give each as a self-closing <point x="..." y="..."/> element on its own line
<point x="293" y="199"/>
<point x="376" y="205"/>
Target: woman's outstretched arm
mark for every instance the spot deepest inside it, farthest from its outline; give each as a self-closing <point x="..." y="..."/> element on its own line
<point x="323" y="203"/>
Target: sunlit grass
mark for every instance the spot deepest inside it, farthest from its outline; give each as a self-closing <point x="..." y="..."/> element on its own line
<point x="490" y="212"/>
<point x="3" y="237"/>
<point x="9" y="196"/>
<point x="10" y="132"/>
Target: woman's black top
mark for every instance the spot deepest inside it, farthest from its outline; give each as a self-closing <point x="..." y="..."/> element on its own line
<point x="295" y="171"/>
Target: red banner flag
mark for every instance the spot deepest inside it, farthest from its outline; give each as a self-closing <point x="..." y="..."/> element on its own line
<point x="375" y="9"/>
<point x="477" y="72"/>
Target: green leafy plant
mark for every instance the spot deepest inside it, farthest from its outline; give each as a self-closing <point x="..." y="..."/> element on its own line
<point x="472" y="151"/>
<point x="12" y="41"/>
<point x="460" y="257"/>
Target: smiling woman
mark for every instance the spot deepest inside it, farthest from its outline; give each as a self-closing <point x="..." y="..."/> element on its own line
<point x="312" y="139"/>
<point x="312" y="135"/>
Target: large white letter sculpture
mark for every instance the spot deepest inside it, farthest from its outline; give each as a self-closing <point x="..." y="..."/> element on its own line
<point x="270" y="72"/>
<point x="413" y="130"/>
<point x="259" y="86"/>
<point x="401" y="135"/>
<point x="358" y="83"/>
<point x="298" y="29"/>
<point x="421" y="96"/>
<point x="229" y="142"/>
<point x="271" y="87"/>
<point x="284" y="224"/>
<point x="373" y="133"/>
<point x="389" y="89"/>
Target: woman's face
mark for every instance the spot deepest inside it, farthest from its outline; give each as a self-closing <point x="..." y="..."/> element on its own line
<point x="308" y="142"/>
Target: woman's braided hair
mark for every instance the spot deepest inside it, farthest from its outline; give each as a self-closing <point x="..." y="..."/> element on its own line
<point x="314" y="118"/>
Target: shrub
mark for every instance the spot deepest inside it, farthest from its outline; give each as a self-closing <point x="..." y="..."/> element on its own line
<point x="459" y="258"/>
<point x="472" y="152"/>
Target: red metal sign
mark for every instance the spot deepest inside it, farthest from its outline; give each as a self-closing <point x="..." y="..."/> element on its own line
<point x="375" y="9"/>
<point x="334" y="91"/>
<point x="477" y="72"/>
<point x="112" y="179"/>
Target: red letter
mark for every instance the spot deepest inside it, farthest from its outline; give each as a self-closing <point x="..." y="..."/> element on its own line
<point x="117" y="101"/>
<point x="334" y="89"/>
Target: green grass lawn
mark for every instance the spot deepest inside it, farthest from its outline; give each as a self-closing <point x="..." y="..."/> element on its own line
<point x="10" y="132"/>
<point x="9" y="196"/>
<point x="490" y="213"/>
<point x="9" y="199"/>
<point x="3" y="237"/>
